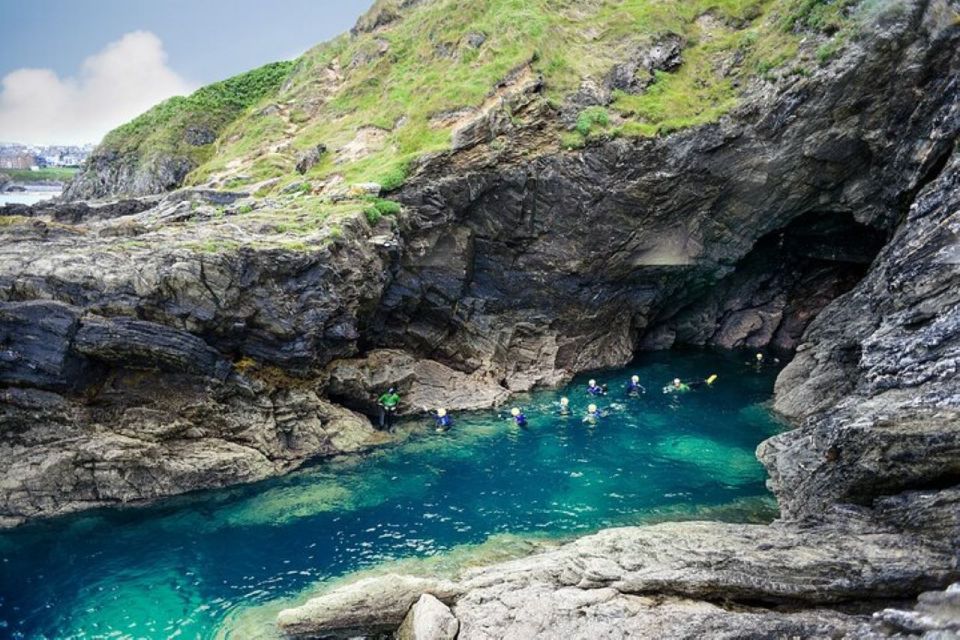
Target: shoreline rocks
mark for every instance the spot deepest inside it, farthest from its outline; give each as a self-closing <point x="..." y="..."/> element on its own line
<point x="424" y="385"/>
<point x="672" y="577"/>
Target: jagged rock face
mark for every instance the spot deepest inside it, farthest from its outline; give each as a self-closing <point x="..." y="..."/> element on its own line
<point x="937" y="614"/>
<point x="424" y="385"/>
<point x="884" y="359"/>
<point x="99" y="411"/>
<point x="108" y="172"/>
<point x="868" y="484"/>
<point x="117" y="360"/>
<point x="678" y="580"/>
<point x="293" y="309"/>
<point x="571" y="261"/>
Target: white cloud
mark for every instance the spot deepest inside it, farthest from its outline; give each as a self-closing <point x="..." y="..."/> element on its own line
<point x="125" y="79"/>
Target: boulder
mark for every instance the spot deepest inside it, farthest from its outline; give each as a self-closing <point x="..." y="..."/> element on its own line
<point x="309" y="158"/>
<point x="429" y="619"/>
<point x="422" y="384"/>
<point x="673" y="580"/>
<point x="638" y="72"/>
<point x="937" y="615"/>
<point x="368" y="606"/>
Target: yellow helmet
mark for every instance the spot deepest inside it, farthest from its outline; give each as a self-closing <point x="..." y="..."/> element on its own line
<point x="441" y="412"/>
<point x="515" y="411"/>
<point x="592" y="408"/>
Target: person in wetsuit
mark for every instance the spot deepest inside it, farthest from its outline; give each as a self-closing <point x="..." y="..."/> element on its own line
<point x="593" y="414"/>
<point x="518" y="417"/>
<point x="389" y="402"/>
<point x="443" y="420"/>
<point x="634" y="388"/>
<point x="594" y="389"/>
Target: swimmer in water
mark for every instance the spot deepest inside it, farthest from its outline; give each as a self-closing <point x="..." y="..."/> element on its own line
<point x="593" y="414"/>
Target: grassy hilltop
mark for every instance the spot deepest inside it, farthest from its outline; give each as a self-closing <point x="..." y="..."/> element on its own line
<point x="381" y="96"/>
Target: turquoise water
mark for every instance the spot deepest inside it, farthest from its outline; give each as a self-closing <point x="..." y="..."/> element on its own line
<point x="183" y="567"/>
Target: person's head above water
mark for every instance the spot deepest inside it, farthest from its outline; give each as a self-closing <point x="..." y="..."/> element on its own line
<point x="391" y="390"/>
<point x="441" y="412"/>
<point x="592" y="383"/>
<point x="635" y="379"/>
<point x="676" y="382"/>
<point x="564" y="401"/>
<point x="592" y="408"/>
<point x="515" y="411"/>
<point x="759" y="357"/>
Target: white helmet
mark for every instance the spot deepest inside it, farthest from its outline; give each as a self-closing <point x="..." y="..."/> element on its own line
<point x="593" y="383"/>
<point x="564" y="401"/>
<point x="635" y="378"/>
<point x="592" y="408"/>
<point x="515" y="412"/>
<point x="441" y="412"/>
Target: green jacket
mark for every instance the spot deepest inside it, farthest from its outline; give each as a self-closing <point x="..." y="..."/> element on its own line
<point x="389" y="399"/>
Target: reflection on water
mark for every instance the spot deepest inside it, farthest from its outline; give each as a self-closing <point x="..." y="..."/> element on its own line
<point x="215" y="563"/>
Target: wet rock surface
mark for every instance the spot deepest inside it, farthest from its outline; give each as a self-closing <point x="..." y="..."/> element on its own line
<point x="137" y="364"/>
<point x="150" y="351"/>
<point x="102" y="411"/>
<point x="677" y="580"/>
<point x="867" y="483"/>
<point x="535" y="269"/>
<point x="876" y="376"/>
<point x="424" y="385"/>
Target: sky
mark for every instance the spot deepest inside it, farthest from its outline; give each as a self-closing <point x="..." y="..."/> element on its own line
<point x="71" y="70"/>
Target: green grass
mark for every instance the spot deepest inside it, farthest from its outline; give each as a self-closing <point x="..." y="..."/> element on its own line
<point x="339" y="87"/>
<point x="55" y="174"/>
<point x="162" y="132"/>
<point x="380" y="207"/>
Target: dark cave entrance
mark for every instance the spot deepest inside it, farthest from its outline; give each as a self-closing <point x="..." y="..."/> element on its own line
<point x="776" y="290"/>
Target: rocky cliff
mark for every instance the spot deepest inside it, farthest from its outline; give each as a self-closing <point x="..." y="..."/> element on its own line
<point x="195" y="339"/>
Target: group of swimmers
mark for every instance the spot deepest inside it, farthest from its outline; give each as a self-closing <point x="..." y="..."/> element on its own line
<point x="633" y="389"/>
<point x="389" y="401"/>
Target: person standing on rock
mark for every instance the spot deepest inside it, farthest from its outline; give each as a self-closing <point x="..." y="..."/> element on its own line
<point x="388" y="403"/>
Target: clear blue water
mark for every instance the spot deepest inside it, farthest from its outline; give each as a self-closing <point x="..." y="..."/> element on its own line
<point x="184" y="566"/>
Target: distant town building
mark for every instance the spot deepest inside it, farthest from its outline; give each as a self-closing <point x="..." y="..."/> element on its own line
<point x="21" y="156"/>
<point x="17" y="161"/>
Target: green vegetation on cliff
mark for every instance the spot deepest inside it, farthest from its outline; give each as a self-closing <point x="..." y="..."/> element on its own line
<point x="187" y="126"/>
<point x="406" y="78"/>
<point x="52" y="174"/>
